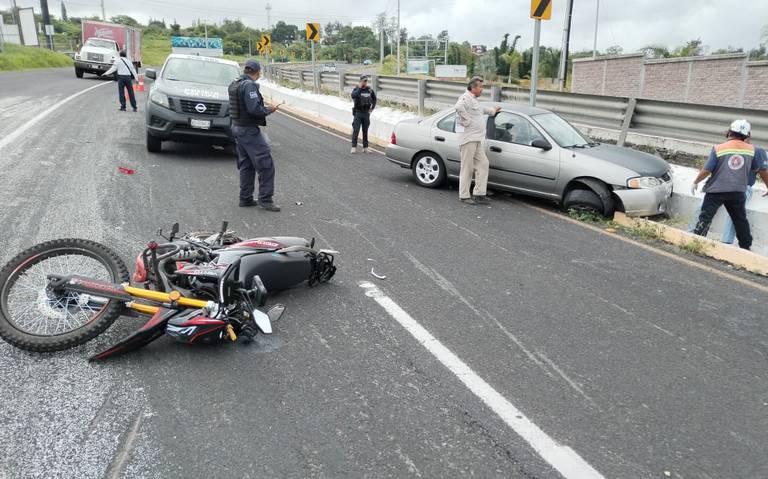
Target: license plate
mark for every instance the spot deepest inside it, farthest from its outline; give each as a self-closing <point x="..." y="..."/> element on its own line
<point x="202" y="124"/>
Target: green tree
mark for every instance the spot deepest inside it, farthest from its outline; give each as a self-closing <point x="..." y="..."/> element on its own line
<point x="126" y="20"/>
<point x="692" y="48"/>
<point x="656" y="51"/>
<point x="614" y="50"/>
<point x="284" y="33"/>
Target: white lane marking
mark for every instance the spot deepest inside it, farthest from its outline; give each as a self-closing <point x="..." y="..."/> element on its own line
<point x="564" y="459"/>
<point x="29" y="124"/>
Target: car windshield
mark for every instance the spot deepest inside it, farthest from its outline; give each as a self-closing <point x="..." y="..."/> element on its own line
<point x="561" y="131"/>
<point x="200" y="71"/>
<point x="95" y="42"/>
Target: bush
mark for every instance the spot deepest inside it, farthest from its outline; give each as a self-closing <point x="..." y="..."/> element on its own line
<point x="16" y="57"/>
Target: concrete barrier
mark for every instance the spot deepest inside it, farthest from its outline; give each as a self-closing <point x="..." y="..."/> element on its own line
<point x="336" y="113"/>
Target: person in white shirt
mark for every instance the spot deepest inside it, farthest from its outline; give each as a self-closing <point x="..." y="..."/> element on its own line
<point x="125" y="76"/>
<point x="471" y="126"/>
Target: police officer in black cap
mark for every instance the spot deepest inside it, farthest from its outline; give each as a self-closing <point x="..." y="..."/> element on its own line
<point x="248" y="112"/>
<point x="364" y="99"/>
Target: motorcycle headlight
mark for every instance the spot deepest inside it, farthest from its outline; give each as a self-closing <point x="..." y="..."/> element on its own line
<point x="160" y="99"/>
<point x="643" y="182"/>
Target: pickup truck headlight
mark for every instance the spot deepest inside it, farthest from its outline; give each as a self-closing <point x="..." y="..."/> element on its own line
<point x="77" y="56"/>
<point x="643" y="182"/>
<point x="160" y="99"/>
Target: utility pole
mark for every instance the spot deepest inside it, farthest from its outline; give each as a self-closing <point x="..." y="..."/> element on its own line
<point x="381" y="43"/>
<point x="597" y="15"/>
<point x="103" y="15"/>
<point x="563" y="73"/>
<point x="46" y="22"/>
<point x="398" y="38"/>
<point x="445" y="61"/>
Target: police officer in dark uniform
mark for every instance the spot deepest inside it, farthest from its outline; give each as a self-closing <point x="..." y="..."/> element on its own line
<point x="248" y="112"/>
<point x="364" y="99"/>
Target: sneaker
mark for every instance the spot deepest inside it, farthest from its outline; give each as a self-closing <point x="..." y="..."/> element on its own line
<point x="482" y="200"/>
<point x="353" y="150"/>
<point x="468" y="201"/>
<point x="366" y="150"/>
<point x="135" y="110"/>
<point x="268" y="206"/>
<point x="122" y="108"/>
<point x="247" y="203"/>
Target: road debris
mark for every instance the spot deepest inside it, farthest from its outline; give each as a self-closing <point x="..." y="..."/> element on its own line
<point x="299" y="203"/>
<point x="378" y="276"/>
<point x="127" y="171"/>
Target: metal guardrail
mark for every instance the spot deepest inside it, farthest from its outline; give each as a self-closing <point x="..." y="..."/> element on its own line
<point x="682" y="121"/>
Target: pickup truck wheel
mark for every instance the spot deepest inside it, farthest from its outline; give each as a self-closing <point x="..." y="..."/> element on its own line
<point x="79" y="72"/>
<point x="154" y="145"/>
<point x="583" y="201"/>
<point x="429" y="170"/>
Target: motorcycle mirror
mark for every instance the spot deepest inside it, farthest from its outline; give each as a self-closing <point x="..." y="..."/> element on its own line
<point x="263" y="321"/>
<point x="275" y="312"/>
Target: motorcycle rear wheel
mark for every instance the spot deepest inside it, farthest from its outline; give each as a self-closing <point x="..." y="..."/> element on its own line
<point x="35" y="318"/>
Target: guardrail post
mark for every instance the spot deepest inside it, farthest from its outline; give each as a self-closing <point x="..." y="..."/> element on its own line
<point x="422" y="95"/>
<point x="375" y="82"/>
<point x="628" y="114"/>
<point x="496" y="93"/>
<point x="301" y="80"/>
<point x="341" y="83"/>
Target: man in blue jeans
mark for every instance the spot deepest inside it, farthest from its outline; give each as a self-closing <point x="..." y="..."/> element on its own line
<point x="729" y="232"/>
<point x="730" y="164"/>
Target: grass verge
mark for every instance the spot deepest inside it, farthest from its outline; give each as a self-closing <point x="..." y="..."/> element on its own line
<point x="17" y="57"/>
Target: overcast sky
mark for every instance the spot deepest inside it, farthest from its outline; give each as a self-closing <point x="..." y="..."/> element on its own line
<point x="631" y="24"/>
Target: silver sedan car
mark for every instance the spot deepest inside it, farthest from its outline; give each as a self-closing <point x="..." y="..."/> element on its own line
<point x="535" y="152"/>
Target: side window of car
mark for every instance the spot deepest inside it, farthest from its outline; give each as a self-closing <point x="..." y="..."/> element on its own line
<point x="512" y="128"/>
<point x="448" y="123"/>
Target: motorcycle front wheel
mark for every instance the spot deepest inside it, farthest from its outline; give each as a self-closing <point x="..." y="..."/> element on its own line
<point x="36" y="318"/>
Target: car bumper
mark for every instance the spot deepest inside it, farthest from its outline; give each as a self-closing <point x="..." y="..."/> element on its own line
<point x="647" y="201"/>
<point x="399" y="155"/>
<point x="169" y="125"/>
<point x="92" y="67"/>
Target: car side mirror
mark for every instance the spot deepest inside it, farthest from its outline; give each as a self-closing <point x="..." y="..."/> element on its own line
<point x="541" y="143"/>
<point x="151" y="73"/>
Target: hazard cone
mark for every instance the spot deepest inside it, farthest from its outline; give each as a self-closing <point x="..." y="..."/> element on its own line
<point x="140" y="84"/>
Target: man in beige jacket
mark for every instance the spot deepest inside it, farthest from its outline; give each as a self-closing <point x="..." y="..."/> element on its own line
<point x="471" y="127"/>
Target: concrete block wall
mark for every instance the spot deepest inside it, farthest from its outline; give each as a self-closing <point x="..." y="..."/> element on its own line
<point x="722" y="80"/>
<point x="756" y="85"/>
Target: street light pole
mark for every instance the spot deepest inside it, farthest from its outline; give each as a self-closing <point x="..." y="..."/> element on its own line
<point x="597" y="15"/>
<point x="103" y="15"/>
<point x="398" y="37"/>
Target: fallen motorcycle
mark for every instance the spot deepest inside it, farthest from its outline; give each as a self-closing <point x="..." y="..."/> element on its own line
<point x="201" y="287"/>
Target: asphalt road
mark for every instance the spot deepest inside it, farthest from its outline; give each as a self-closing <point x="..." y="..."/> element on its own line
<point x="644" y="366"/>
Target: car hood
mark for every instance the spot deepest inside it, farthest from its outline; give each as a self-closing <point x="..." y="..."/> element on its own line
<point x="644" y="164"/>
<point x="196" y="91"/>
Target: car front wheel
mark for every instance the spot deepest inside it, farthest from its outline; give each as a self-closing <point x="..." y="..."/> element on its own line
<point x="583" y="201"/>
<point x="154" y="145"/>
<point x="429" y="170"/>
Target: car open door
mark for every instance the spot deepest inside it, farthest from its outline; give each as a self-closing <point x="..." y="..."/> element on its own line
<point x="520" y="156"/>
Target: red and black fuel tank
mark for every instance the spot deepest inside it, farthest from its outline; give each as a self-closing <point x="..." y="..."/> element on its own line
<point x="276" y="270"/>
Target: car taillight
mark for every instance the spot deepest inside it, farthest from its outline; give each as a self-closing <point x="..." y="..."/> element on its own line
<point x="140" y="275"/>
<point x="394" y="138"/>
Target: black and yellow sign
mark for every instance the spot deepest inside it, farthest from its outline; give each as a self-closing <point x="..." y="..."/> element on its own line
<point x="266" y="40"/>
<point x="313" y="32"/>
<point x="260" y="47"/>
<point x="541" y="9"/>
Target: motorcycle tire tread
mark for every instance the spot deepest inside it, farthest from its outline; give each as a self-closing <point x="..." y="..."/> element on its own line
<point x="81" y="335"/>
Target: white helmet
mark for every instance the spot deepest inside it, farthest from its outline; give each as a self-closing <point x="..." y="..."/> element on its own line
<point x="742" y="127"/>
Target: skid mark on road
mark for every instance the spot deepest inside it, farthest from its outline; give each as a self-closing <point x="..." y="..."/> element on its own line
<point x="564" y="459"/>
<point x="123" y="452"/>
